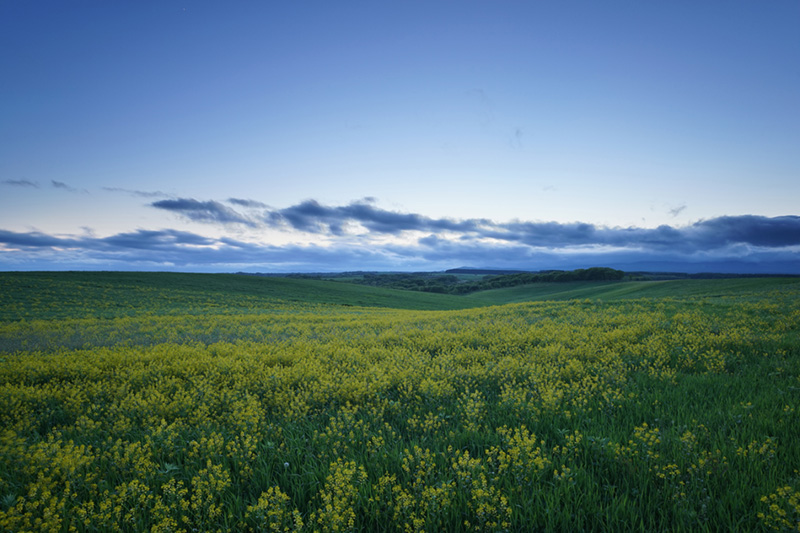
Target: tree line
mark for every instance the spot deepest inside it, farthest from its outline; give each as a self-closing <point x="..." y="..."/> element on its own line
<point x="453" y="284"/>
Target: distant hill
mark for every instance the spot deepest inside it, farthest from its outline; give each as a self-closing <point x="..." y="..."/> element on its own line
<point x="66" y="294"/>
<point x="48" y="295"/>
<point x="464" y="280"/>
<point x="666" y="270"/>
<point x="483" y="271"/>
<point x="740" y="287"/>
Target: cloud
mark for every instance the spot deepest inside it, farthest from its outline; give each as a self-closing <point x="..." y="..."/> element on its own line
<point x="68" y="188"/>
<point x="33" y="239"/>
<point x="760" y="231"/>
<point x="208" y="211"/>
<point x="53" y="183"/>
<point x="21" y="183"/>
<point x="363" y="236"/>
<point x="516" y="138"/>
<point x="179" y="250"/>
<point x="142" y="194"/>
<point x="675" y="211"/>
<point x="310" y="216"/>
<point x="246" y="203"/>
<point x="182" y="250"/>
<point x="313" y="217"/>
<point x="155" y="240"/>
<point x="140" y="239"/>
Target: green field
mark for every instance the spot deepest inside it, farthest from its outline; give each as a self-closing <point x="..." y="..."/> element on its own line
<point x="617" y="290"/>
<point x="115" y="294"/>
<point x="189" y="402"/>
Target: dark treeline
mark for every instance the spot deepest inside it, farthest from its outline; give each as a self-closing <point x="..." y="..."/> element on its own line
<point x="549" y="276"/>
<point x="454" y="284"/>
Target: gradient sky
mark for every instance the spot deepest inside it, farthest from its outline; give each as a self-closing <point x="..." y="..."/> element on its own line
<point x="414" y="135"/>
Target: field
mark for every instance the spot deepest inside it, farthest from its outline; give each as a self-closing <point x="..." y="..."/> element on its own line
<point x="177" y="402"/>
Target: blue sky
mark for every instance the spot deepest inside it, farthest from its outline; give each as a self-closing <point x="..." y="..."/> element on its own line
<point x="319" y="136"/>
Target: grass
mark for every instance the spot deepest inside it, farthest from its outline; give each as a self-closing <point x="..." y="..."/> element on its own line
<point x="116" y="294"/>
<point x="616" y="290"/>
<point x="31" y="295"/>
<point x="178" y="402"/>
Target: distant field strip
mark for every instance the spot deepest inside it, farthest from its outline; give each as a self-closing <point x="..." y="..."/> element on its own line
<point x="616" y="290"/>
<point x="180" y="403"/>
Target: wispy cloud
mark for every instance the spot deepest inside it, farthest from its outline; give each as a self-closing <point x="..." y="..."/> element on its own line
<point x="20" y="183"/>
<point x="204" y="211"/>
<point x="246" y="203"/>
<point x="141" y="194"/>
<point x="154" y="240"/>
<point x="675" y="211"/>
<point x="63" y="186"/>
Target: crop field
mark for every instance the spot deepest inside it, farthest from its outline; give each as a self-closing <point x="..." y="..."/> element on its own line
<point x="159" y="402"/>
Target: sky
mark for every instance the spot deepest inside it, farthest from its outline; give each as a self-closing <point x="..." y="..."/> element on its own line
<point x="316" y="136"/>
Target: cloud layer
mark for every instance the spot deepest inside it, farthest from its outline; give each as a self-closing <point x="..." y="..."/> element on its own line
<point x="35" y="185"/>
<point x="363" y="236"/>
<point x="363" y="216"/>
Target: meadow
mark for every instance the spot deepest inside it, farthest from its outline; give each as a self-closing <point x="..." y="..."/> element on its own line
<point x="179" y="402"/>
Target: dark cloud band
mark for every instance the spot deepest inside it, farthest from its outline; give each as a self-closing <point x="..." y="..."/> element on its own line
<point x="312" y="217"/>
<point x="208" y="211"/>
<point x="173" y="249"/>
<point x="747" y="243"/>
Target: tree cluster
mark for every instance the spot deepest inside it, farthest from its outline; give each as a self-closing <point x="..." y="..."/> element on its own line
<point x="452" y="284"/>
